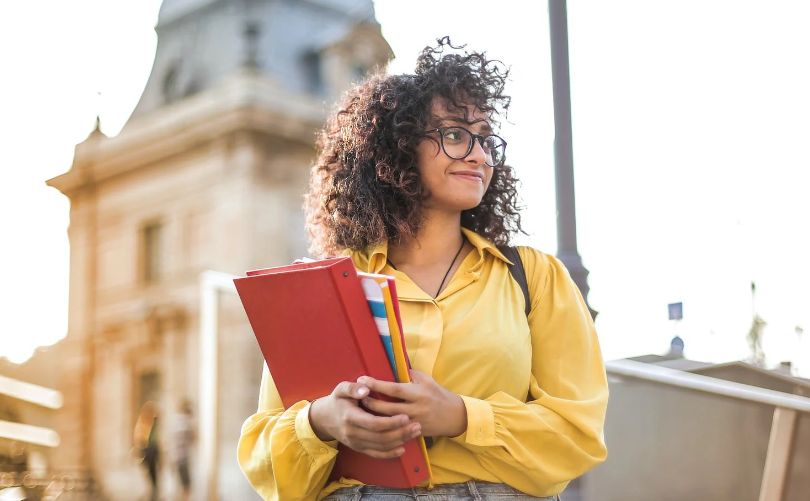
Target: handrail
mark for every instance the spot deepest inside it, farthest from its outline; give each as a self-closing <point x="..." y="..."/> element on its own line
<point x="28" y="392"/>
<point x="29" y="434"/>
<point x="706" y="384"/>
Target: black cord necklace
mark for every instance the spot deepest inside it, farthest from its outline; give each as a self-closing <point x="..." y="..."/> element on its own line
<point x="448" y="269"/>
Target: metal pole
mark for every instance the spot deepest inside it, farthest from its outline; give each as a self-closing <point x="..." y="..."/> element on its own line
<point x="563" y="149"/>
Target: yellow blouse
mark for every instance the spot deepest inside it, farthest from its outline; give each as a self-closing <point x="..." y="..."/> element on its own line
<point x="475" y="341"/>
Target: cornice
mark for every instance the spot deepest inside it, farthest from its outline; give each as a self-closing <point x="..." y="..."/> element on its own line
<point x="247" y="101"/>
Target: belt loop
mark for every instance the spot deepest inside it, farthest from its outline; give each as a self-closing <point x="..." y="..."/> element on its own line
<point x="474" y="491"/>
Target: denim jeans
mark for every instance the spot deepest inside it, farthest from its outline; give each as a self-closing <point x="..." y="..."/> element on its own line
<point x="469" y="491"/>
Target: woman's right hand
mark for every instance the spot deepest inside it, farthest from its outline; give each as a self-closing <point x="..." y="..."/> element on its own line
<point x="339" y="416"/>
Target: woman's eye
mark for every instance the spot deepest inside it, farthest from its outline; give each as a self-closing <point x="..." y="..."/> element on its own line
<point x="453" y="134"/>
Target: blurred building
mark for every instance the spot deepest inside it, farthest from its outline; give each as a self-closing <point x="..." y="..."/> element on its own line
<point x="680" y="429"/>
<point x="208" y="174"/>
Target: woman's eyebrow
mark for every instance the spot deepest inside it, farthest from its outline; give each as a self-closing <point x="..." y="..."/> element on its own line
<point x="461" y="120"/>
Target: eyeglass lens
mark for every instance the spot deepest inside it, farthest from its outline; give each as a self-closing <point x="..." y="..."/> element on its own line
<point x="457" y="143"/>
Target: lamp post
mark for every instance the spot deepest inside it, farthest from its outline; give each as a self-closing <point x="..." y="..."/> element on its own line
<point x="563" y="150"/>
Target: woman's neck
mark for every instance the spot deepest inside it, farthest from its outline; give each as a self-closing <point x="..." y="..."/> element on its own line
<point x="439" y="237"/>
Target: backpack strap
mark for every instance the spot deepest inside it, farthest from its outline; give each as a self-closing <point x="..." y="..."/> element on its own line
<point x="518" y="273"/>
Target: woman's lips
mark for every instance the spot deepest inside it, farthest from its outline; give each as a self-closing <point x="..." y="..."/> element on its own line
<point x="470" y="176"/>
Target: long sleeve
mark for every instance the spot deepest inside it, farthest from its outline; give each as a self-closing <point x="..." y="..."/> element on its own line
<point x="279" y="453"/>
<point x="538" y="447"/>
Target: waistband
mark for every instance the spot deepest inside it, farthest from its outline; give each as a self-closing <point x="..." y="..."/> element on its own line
<point x="472" y="490"/>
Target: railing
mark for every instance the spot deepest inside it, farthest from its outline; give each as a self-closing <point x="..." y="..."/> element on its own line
<point x="787" y="407"/>
<point x="37" y="395"/>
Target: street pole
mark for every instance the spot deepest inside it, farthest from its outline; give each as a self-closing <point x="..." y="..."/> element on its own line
<point x="563" y="149"/>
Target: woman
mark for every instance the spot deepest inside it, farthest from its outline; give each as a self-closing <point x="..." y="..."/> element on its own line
<point x="411" y="182"/>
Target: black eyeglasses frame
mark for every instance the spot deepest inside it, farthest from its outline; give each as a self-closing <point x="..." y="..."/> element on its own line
<point x="479" y="137"/>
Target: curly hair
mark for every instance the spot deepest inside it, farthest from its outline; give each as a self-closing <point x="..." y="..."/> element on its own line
<point x="365" y="187"/>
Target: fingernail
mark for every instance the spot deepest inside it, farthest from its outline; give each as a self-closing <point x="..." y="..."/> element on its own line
<point x="362" y="391"/>
<point x="400" y="451"/>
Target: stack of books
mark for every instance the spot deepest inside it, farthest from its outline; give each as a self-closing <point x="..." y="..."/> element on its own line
<point x="320" y="323"/>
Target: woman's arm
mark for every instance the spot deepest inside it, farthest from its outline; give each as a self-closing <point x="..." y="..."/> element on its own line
<point x="279" y="453"/>
<point x="557" y="436"/>
<point x="290" y="454"/>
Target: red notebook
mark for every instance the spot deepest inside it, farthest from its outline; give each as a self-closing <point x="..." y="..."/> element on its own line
<point x="315" y="330"/>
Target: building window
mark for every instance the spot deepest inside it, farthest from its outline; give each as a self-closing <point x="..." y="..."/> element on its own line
<point x="314" y="73"/>
<point x="148" y="387"/>
<point x="359" y="72"/>
<point x="171" y="83"/>
<point x="152" y="251"/>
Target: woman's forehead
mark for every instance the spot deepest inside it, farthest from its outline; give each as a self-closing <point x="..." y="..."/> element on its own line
<point x="442" y="109"/>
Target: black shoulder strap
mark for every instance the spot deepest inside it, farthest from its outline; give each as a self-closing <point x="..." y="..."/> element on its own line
<point x="518" y="273"/>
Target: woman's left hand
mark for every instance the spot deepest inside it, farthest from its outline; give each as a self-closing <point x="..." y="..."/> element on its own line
<point x="440" y="412"/>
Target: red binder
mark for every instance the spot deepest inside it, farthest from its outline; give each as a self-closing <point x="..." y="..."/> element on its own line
<point x="315" y="330"/>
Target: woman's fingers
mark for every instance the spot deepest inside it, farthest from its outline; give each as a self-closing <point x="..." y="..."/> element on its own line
<point x="386" y="408"/>
<point x="403" y="391"/>
<point x="350" y="390"/>
<point x="363" y="440"/>
<point x="378" y="424"/>
<point x="365" y="432"/>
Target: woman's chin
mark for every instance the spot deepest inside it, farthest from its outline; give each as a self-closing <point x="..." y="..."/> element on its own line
<point x="457" y="204"/>
<point x="469" y="205"/>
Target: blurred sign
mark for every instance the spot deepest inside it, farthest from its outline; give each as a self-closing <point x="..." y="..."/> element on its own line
<point x="675" y="311"/>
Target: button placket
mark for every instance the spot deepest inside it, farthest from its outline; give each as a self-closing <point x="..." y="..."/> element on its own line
<point x="430" y="338"/>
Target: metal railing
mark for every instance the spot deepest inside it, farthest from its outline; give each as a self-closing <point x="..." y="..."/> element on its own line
<point x="786" y="410"/>
<point x="706" y="384"/>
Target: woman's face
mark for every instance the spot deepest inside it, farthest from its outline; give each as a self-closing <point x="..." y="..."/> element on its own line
<point x="454" y="185"/>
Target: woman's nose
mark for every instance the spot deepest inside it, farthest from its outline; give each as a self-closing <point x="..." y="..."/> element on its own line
<point x="477" y="154"/>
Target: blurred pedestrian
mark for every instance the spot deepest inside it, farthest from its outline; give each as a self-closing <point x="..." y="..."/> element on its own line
<point x="145" y="438"/>
<point x="183" y="437"/>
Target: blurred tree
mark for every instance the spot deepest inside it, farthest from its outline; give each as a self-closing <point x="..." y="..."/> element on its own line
<point x="756" y="332"/>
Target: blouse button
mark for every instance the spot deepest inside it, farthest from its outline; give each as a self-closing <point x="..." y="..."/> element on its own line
<point x="323" y="450"/>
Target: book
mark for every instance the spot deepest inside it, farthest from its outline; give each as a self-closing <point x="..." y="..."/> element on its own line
<point x="379" y="310"/>
<point x="315" y="329"/>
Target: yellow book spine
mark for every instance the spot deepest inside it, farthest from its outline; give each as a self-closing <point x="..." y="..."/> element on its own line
<point x="396" y="337"/>
<point x="399" y="356"/>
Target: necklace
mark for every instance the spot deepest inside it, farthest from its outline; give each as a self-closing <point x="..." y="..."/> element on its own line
<point x="446" y="273"/>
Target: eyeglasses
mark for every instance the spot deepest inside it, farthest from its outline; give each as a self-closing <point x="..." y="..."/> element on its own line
<point x="457" y="143"/>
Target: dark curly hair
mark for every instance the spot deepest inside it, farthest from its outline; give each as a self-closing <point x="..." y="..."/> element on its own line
<point x="365" y="187"/>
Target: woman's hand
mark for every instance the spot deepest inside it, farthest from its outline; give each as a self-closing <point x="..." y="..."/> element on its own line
<point x="338" y="416"/>
<point x="440" y="412"/>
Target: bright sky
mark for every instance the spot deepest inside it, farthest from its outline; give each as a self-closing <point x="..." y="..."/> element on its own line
<point x="691" y="123"/>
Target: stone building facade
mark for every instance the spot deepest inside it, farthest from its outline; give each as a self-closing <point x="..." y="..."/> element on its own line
<point x="208" y="174"/>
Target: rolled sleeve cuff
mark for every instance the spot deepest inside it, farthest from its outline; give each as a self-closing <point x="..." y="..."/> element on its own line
<point x="314" y="446"/>
<point x="480" y="424"/>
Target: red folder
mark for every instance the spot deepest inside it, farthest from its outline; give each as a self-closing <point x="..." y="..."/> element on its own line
<point x="315" y="330"/>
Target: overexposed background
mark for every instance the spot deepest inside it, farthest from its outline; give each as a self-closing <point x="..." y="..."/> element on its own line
<point x="691" y="122"/>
